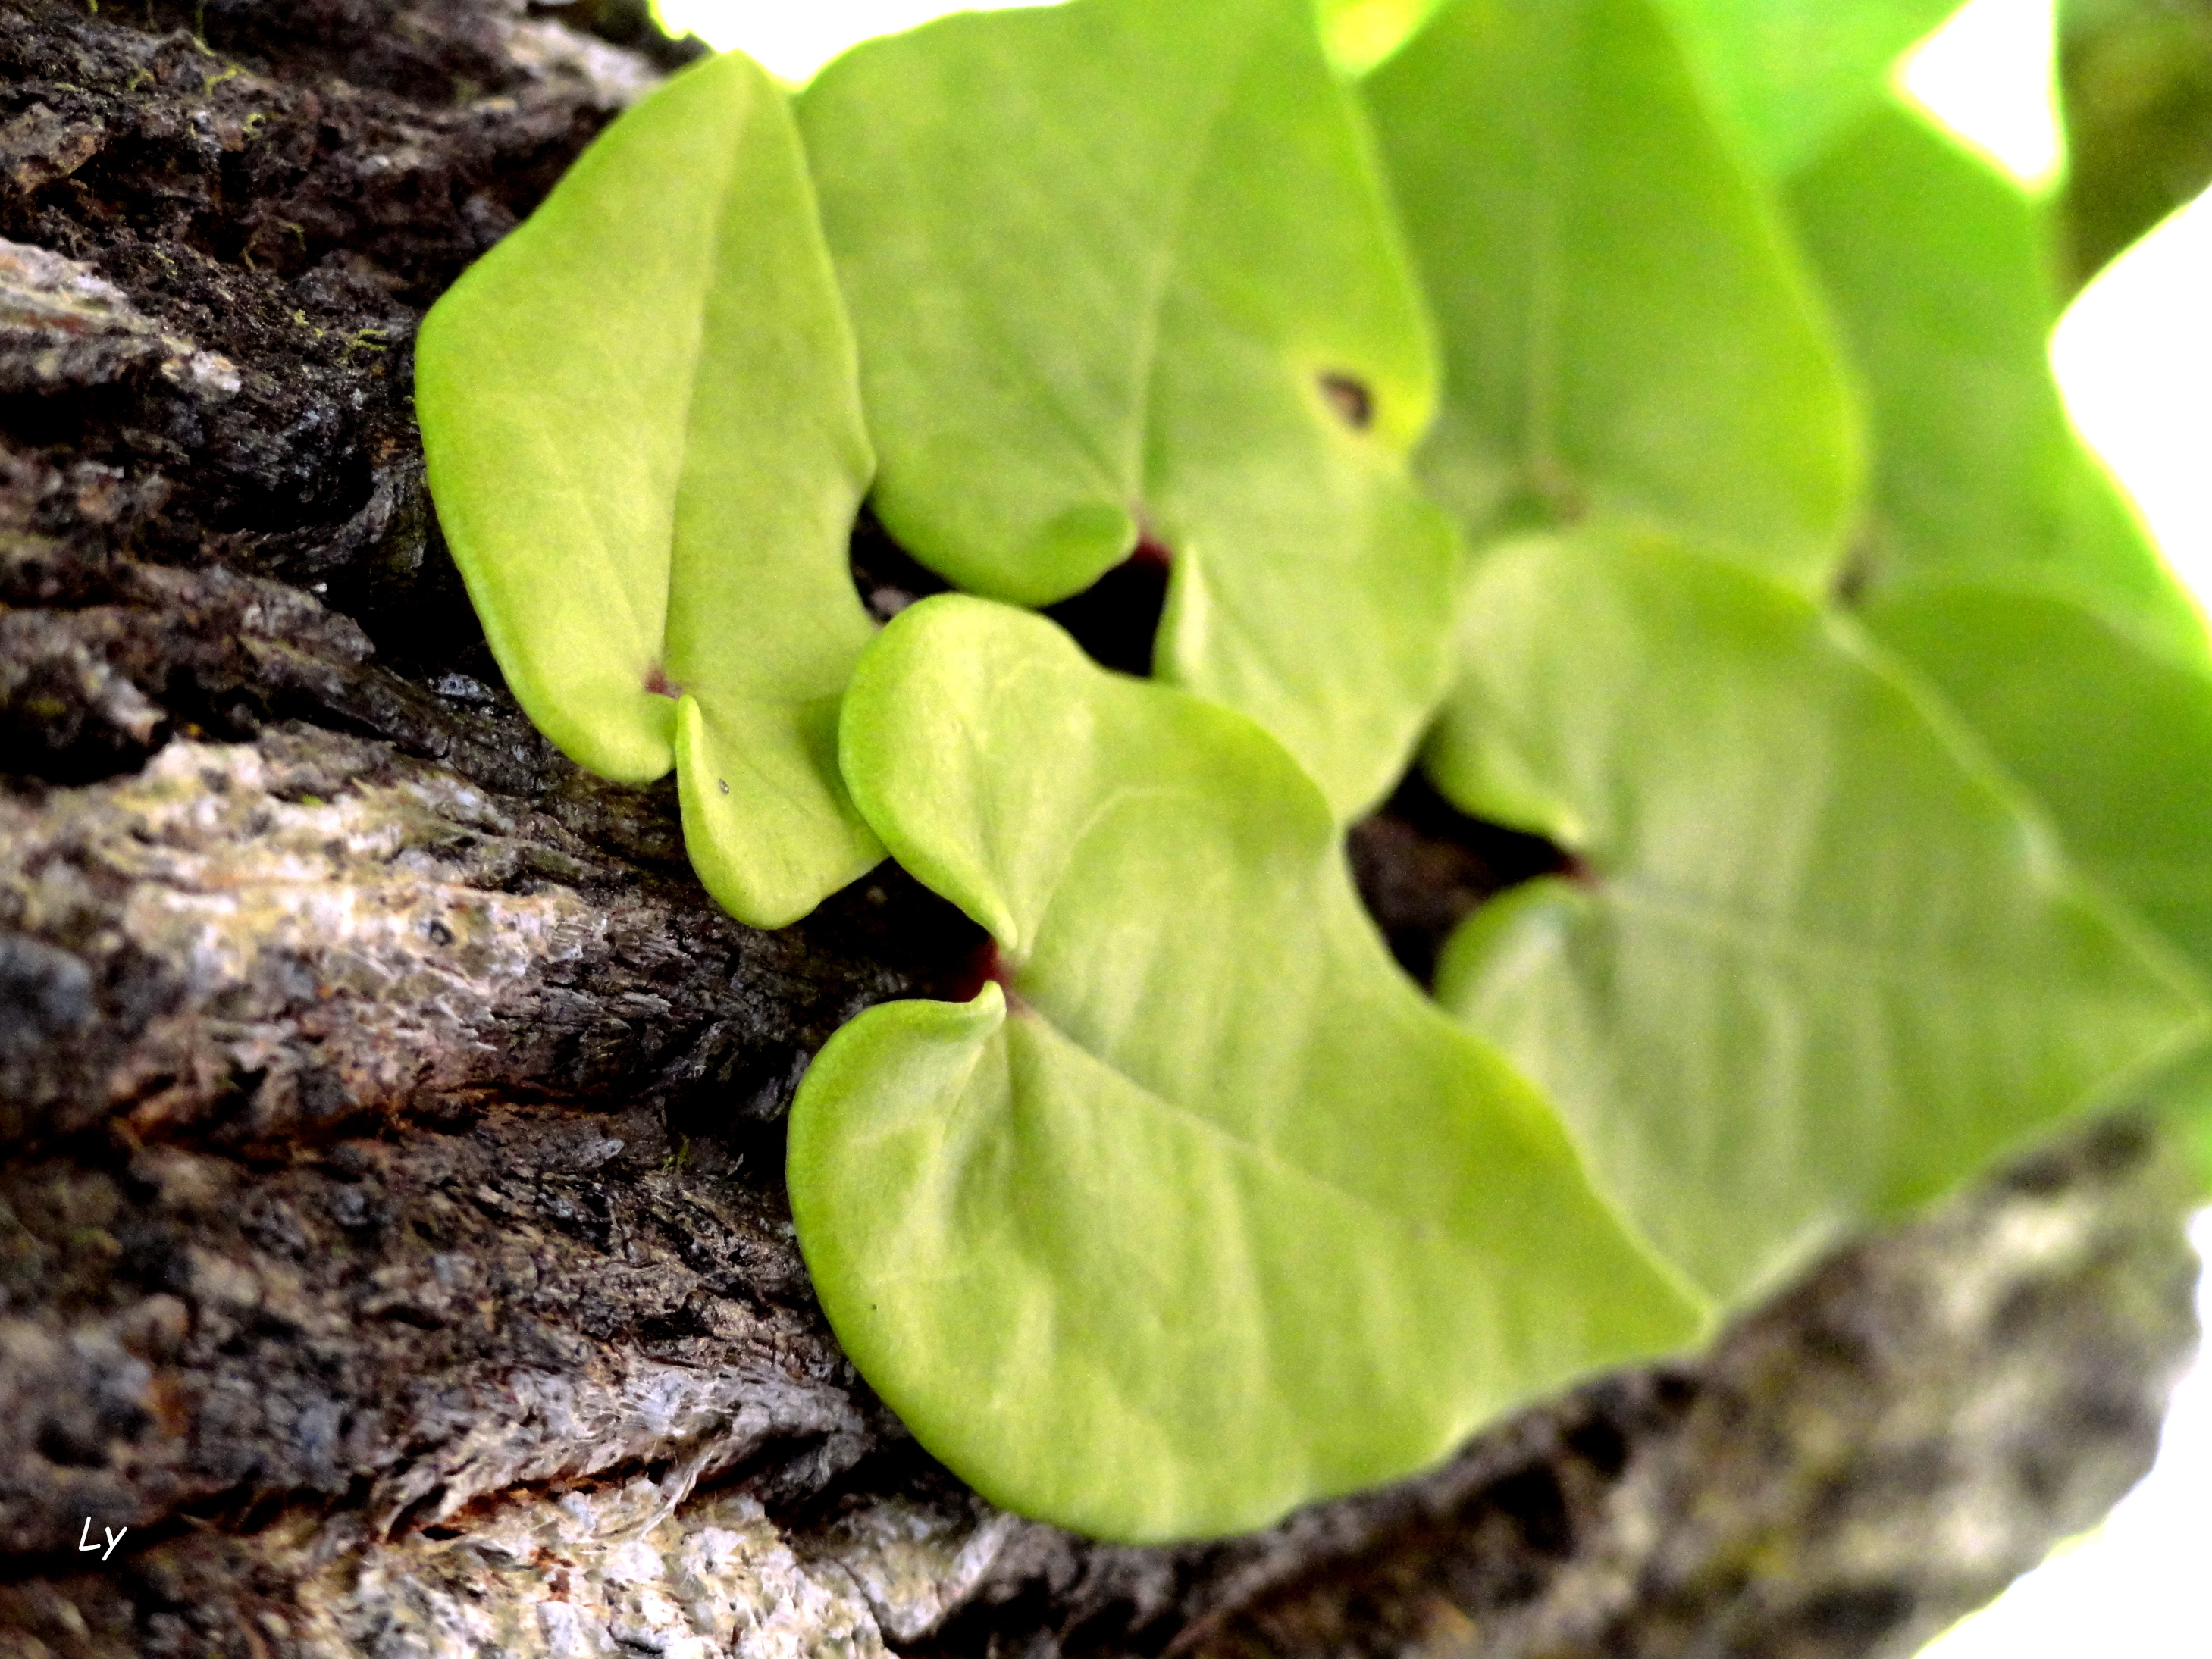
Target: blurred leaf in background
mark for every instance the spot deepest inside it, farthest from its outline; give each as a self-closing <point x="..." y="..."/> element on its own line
<point x="1627" y="332"/>
<point x="2136" y="76"/>
<point x="1791" y="73"/>
<point x="1816" y="963"/>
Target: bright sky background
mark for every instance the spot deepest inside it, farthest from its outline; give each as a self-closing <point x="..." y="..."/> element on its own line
<point x="2135" y="356"/>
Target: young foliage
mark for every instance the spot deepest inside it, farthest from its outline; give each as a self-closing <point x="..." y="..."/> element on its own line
<point x="1207" y="1212"/>
<point x="1820" y="965"/>
<point x="2002" y="564"/>
<point x="1122" y="272"/>
<point x="1938" y="268"/>
<point x="1198" y="1210"/>
<point x="2114" y="740"/>
<point x="1626" y="329"/>
<point x="643" y="428"/>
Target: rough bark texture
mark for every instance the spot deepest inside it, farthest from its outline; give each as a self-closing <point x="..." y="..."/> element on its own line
<point x="392" y="1234"/>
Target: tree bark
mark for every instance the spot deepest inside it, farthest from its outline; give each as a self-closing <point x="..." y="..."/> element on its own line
<point x="393" y="1237"/>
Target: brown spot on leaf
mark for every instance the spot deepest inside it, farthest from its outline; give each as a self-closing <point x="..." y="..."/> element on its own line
<point x="1349" y="396"/>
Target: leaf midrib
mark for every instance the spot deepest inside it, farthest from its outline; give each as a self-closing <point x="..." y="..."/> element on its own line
<point x="1540" y="460"/>
<point x="724" y="206"/>
<point x="1437" y="1232"/>
<point x="1145" y="365"/>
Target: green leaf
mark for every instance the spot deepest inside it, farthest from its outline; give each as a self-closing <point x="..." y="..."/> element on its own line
<point x="1823" y="965"/>
<point x="2195" y="1128"/>
<point x="1792" y="74"/>
<point x="1626" y="329"/>
<point x="1937" y="267"/>
<point x="1210" y="1213"/>
<point x="1123" y="269"/>
<point x="641" y="416"/>
<point x="2114" y="740"/>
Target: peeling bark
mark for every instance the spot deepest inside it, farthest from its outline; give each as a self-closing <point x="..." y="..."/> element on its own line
<point x="392" y="1231"/>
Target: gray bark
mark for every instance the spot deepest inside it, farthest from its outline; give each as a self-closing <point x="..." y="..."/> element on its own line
<point x="394" y="1238"/>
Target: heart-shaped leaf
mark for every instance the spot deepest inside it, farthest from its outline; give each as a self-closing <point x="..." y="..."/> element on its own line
<point x="641" y="416"/>
<point x="1625" y="327"/>
<point x="2003" y="565"/>
<point x="1123" y="275"/>
<point x="1823" y="964"/>
<point x="1209" y="1211"/>
<point x="1938" y="267"/>
<point x="1792" y="74"/>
